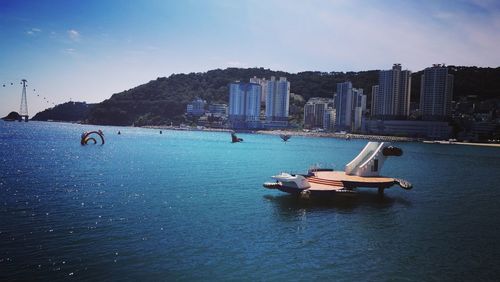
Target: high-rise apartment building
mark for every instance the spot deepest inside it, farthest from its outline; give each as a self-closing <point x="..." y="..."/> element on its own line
<point x="436" y="92"/>
<point x="308" y="115"/>
<point x="244" y="103"/>
<point x="237" y="99"/>
<point x="374" y="106"/>
<point x="278" y="100"/>
<point x="329" y="119"/>
<point x="358" y="108"/>
<point x="343" y="106"/>
<point x="252" y="102"/>
<point x="392" y="96"/>
<point x="350" y="106"/>
<point x="263" y="85"/>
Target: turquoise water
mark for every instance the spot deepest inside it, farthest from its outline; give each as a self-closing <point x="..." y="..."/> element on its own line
<point x="190" y="206"/>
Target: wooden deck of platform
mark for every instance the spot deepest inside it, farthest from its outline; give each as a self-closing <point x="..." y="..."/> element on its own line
<point x="342" y="177"/>
<point x="338" y="180"/>
<point x="323" y="187"/>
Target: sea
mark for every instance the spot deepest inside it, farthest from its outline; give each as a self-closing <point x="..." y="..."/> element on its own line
<point x="190" y="206"/>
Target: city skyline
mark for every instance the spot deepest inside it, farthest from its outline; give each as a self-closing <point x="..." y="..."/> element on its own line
<point x="87" y="51"/>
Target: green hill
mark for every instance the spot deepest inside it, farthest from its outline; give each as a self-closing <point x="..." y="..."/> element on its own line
<point x="12" y="116"/>
<point x="164" y="100"/>
<point x="70" y="111"/>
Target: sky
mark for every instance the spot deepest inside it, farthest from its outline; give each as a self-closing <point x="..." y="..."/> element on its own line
<point x="88" y="50"/>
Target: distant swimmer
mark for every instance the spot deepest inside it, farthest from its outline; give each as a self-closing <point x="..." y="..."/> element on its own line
<point x="161" y="132"/>
<point x="119" y="132"/>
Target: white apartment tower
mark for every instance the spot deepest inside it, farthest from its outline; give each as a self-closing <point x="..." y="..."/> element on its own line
<point x="436" y="92"/>
<point x="263" y="85"/>
<point x="236" y="101"/>
<point x="350" y="106"/>
<point x="252" y="102"/>
<point x="278" y="99"/>
<point x="392" y="96"/>
<point x="244" y="101"/>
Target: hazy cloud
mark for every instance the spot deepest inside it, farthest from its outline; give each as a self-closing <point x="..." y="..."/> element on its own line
<point x="235" y="64"/>
<point x="74" y="35"/>
<point x="69" y="51"/>
<point x="358" y="35"/>
<point x="33" y="31"/>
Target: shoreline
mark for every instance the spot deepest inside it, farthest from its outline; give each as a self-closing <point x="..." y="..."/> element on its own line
<point x="462" y="143"/>
<point x="340" y="135"/>
<point x="346" y="136"/>
<point x="293" y="133"/>
<point x="385" y="138"/>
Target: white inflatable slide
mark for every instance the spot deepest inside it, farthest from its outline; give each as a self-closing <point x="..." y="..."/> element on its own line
<point x="369" y="161"/>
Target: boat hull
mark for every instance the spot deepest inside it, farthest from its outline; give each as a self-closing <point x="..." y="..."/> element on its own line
<point x="334" y="191"/>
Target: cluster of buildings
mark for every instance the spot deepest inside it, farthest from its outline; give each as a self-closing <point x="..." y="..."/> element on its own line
<point x="391" y="111"/>
<point x="478" y="120"/>
<point x="258" y="104"/>
<point x="319" y="113"/>
<point x="197" y="108"/>
<point x="265" y="103"/>
<point x="215" y="116"/>
<point x="247" y="99"/>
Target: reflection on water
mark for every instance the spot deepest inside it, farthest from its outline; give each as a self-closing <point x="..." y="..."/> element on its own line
<point x="286" y="202"/>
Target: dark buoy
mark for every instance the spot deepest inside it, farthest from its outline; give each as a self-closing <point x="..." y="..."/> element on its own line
<point x="285" y="137"/>
<point x="161" y="132"/>
<point x="119" y="132"/>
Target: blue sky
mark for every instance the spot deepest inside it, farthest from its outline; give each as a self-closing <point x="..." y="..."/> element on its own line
<point x="88" y="50"/>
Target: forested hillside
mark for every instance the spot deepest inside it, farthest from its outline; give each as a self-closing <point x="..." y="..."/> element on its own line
<point x="70" y="111"/>
<point x="164" y="100"/>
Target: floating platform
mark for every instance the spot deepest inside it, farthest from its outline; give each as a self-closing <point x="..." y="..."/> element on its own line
<point x="339" y="183"/>
<point x="327" y="178"/>
<point x="363" y="171"/>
